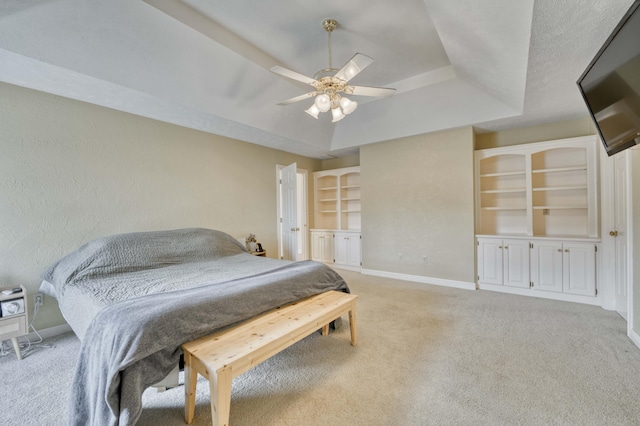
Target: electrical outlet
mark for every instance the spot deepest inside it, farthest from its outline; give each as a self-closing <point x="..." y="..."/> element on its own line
<point x="400" y="257"/>
<point x="39" y="299"/>
<point x="424" y="259"/>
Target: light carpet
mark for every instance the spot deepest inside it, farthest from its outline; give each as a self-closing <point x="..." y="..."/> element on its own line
<point x="427" y="355"/>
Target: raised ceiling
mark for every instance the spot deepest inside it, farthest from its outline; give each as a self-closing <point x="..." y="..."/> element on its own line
<point x="203" y="64"/>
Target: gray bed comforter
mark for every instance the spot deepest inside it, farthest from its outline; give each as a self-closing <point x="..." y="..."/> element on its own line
<point x="131" y="343"/>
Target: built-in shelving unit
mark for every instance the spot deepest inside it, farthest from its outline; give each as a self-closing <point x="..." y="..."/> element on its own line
<point x="541" y="189"/>
<point x="337" y="205"/>
<point x="335" y="238"/>
<point x="537" y="219"/>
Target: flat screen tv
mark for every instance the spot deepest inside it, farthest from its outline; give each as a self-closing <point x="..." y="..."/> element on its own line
<point x="610" y="85"/>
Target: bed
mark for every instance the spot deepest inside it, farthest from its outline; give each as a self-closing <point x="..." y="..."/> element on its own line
<point x="133" y="299"/>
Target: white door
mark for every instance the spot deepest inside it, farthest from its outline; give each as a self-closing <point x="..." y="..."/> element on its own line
<point x="546" y="265"/>
<point x="490" y="261"/>
<point x="288" y="176"/>
<point x="516" y="263"/>
<point x="579" y="268"/>
<point x="620" y="232"/>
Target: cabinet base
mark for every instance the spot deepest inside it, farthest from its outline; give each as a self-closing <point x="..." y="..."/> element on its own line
<point x="532" y="292"/>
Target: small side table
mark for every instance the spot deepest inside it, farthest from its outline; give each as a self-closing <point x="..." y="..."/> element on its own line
<point x="14" y="326"/>
<point x="262" y="253"/>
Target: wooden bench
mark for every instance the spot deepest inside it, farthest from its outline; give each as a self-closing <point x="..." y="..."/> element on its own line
<point x="224" y="355"/>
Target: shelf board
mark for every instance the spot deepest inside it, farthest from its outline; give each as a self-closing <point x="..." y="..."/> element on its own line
<point x="504" y="208"/>
<point x="560" y="188"/>
<point x="329" y="188"/>
<point x="328" y="199"/>
<point x="350" y="186"/>
<point x="560" y="169"/>
<point x="328" y="211"/>
<point x="350" y="211"/>
<point x="503" y="191"/>
<point x="350" y="199"/>
<point x="523" y="172"/>
<point x="560" y="207"/>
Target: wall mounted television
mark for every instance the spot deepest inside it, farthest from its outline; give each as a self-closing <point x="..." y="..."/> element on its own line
<point x="610" y="85"/>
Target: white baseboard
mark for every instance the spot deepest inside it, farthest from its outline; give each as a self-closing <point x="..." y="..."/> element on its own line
<point x="635" y="337"/>
<point x="588" y="300"/>
<point x="420" y="279"/>
<point x="51" y="331"/>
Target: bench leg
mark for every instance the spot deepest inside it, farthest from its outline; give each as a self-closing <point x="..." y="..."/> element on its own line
<point x="190" y="379"/>
<point x="325" y="330"/>
<point x="352" y="325"/>
<point x="220" y="386"/>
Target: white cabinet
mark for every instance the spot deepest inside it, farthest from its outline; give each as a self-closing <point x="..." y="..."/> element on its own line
<point x="322" y="246"/>
<point x="337" y="212"/>
<point x="347" y="248"/>
<point x="566" y="267"/>
<point x="557" y="269"/>
<point x="503" y="262"/>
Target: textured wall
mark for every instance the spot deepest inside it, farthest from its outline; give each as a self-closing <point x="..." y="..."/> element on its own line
<point x="417" y="199"/>
<point x="71" y="172"/>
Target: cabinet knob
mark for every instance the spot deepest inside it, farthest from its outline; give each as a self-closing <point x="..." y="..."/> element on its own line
<point x="506" y="247"/>
<point x="500" y="247"/>
<point x="560" y="250"/>
<point x="566" y="250"/>
<point x="613" y="233"/>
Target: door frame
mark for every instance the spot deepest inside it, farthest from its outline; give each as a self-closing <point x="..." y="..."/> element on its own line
<point x="607" y="261"/>
<point x="304" y="228"/>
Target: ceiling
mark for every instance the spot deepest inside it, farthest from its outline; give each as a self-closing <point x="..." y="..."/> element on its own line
<point x="203" y="64"/>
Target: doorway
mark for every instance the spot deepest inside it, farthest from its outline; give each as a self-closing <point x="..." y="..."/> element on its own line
<point x="292" y="215"/>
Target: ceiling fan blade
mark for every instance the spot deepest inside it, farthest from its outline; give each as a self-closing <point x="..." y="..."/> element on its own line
<point x="354" y="66"/>
<point x="379" y="92"/>
<point x="291" y="74"/>
<point x="298" y="98"/>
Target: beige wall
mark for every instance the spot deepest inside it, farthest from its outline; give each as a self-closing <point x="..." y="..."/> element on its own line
<point x="340" y="162"/>
<point x="417" y="199"/>
<point x="550" y="131"/>
<point x="71" y="172"/>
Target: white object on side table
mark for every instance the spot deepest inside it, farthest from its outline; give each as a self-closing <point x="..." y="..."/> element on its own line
<point x="13" y="322"/>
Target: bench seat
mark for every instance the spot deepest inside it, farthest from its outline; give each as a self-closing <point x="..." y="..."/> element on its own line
<point x="223" y="355"/>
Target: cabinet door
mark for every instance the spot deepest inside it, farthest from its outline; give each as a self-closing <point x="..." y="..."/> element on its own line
<point x="316" y="247"/>
<point x="546" y="265"/>
<point x="516" y="263"/>
<point x="327" y="247"/>
<point x="579" y="268"/>
<point x="354" y="250"/>
<point x="490" y="261"/>
<point x="341" y="248"/>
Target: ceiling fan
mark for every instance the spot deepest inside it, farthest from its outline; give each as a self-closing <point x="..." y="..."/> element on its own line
<point x="330" y="84"/>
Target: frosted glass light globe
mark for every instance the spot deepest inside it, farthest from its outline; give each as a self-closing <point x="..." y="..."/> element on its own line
<point x="323" y="102"/>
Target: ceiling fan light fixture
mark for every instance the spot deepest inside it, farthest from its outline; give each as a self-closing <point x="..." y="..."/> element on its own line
<point x="347" y="105"/>
<point x="323" y="102"/>
<point x="313" y="111"/>
<point x="330" y="83"/>
<point x="337" y="114"/>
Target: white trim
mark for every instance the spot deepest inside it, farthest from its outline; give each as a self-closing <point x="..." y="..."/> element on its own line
<point x="420" y="279"/>
<point x="588" y="300"/>
<point x="50" y="332"/>
<point x="630" y="237"/>
<point x="635" y="338"/>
